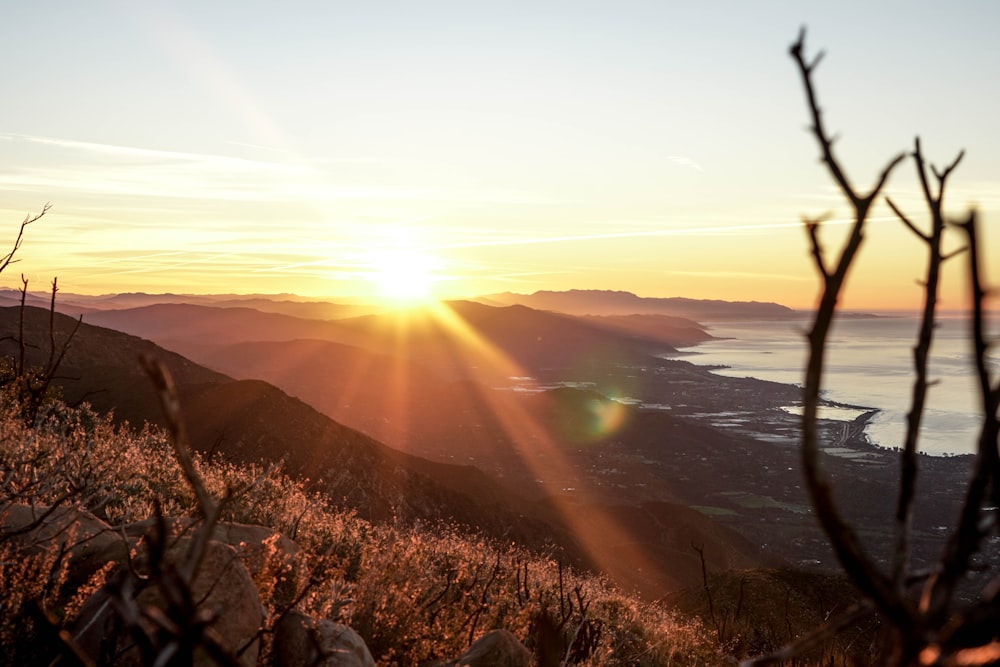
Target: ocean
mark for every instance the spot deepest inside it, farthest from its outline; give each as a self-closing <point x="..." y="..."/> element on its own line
<point x="869" y="364"/>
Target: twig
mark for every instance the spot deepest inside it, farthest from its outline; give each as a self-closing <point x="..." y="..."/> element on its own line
<point x="813" y="639"/>
<point x="845" y="542"/>
<point x="169" y="402"/>
<point x="921" y="355"/>
<point x="8" y="259"/>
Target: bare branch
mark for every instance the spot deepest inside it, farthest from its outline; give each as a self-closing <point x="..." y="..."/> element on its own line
<point x="954" y="253"/>
<point x="986" y="471"/>
<point x="812" y="229"/>
<point x="813" y="639"/>
<point x="905" y="220"/>
<point x="19" y="370"/>
<point x="921" y="355"/>
<point x="860" y="203"/>
<point x="8" y="259"/>
<point x="943" y="175"/>
<point x="845" y="542"/>
<point x="170" y="404"/>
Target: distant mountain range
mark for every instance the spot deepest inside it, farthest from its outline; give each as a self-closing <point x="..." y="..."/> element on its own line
<point x="601" y="302"/>
<point x="457" y="339"/>
<point x="571" y="302"/>
<point x="287" y="304"/>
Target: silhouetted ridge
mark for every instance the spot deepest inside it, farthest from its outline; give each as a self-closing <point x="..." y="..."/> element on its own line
<point x="603" y="302"/>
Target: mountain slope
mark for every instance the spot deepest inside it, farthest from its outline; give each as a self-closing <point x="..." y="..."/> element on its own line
<point x="469" y="339"/>
<point x="101" y="366"/>
<point x="171" y="323"/>
<point x="397" y="401"/>
<point x="247" y="421"/>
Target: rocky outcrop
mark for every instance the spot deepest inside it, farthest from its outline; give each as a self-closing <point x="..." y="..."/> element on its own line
<point x="302" y="641"/>
<point x="497" y="648"/>
<point x="88" y="542"/>
<point x="248" y="538"/>
<point x="223" y="593"/>
<point x="145" y="593"/>
<point x="222" y="589"/>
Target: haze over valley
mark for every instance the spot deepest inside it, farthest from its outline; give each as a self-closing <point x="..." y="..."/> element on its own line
<point x="542" y="412"/>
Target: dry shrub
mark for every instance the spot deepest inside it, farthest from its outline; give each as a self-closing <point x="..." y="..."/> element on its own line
<point x="415" y="593"/>
<point x="30" y="585"/>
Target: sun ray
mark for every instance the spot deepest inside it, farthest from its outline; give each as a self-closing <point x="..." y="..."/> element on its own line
<point x="609" y="545"/>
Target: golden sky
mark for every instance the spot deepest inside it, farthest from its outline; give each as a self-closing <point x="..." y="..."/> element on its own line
<point x="334" y="149"/>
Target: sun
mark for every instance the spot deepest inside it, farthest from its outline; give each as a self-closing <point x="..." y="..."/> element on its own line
<point x="403" y="276"/>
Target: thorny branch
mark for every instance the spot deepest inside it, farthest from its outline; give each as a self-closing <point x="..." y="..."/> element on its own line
<point x="170" y="635"/>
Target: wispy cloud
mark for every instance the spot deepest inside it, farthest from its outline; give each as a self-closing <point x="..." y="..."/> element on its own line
<point x="98" y="169"/>
<point x="685" y="162"/>
<point x="691" y="230"/>
<point x="753" y="275"/>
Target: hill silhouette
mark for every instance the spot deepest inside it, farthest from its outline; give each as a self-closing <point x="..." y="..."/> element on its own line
<point x="458" y="339"/>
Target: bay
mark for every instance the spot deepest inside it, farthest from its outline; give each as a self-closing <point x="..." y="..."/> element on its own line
<point x="869" y="364"/>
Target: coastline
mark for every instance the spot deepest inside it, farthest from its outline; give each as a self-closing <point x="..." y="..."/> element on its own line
<point x="869" y="366"/>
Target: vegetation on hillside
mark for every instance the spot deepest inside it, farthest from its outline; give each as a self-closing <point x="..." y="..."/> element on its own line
<point x="414" y="593"/>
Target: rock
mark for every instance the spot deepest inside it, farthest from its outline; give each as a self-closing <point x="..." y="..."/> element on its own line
<point x="90" y="542"/>
<point x="222" y="589"/>
<point x="497" y="648"/>
<point x="302" y="641"/>
<point x="263" y="550"/>
<point x="241" y="535"/>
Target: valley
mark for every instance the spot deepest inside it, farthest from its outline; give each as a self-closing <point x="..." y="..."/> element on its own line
<point x="544" y="427"/>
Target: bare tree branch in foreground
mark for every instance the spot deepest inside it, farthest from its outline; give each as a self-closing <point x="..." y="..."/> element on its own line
<point x="931" y="626"/>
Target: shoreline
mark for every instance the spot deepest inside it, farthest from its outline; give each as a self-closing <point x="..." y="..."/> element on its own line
<point x="773" y="355"/>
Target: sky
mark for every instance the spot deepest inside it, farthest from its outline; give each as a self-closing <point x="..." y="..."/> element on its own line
<point x="336" y="150"/>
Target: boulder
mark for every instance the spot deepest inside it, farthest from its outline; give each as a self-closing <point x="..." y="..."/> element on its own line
<point x="222" y="590"/>
<point x="497" y="648"/>
<point x="263" y="550"/>
<point x="89" y="542"/>
<point x="246" y="537"/>
<point x="303" y="641"/>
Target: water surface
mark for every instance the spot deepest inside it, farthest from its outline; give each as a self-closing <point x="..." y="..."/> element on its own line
<point x="869" y="364"/>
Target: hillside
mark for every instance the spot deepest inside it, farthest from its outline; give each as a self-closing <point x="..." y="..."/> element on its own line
<point x="250" y="421"/>
<point x="101" y="366"/>
<point x="456" y="339"/>
<point x="280" y="557"/>
<point x="175" y="324"/>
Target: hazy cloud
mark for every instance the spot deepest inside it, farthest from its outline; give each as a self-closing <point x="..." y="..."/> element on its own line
<point x="685" y="162"/>
<point x="121" y="171"/>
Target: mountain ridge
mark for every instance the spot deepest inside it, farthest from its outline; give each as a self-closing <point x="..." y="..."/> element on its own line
<point x="619" y="302"/>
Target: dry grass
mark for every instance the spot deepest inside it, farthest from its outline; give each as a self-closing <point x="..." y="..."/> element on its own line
<point x="416" y="594"/>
